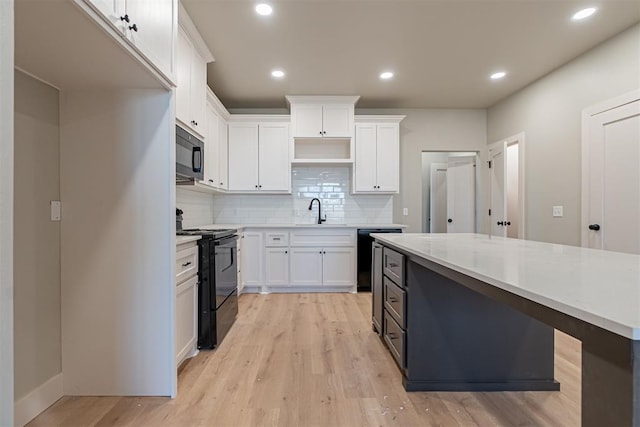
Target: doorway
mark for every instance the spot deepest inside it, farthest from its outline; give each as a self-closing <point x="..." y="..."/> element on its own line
<point x="449" y="192"/>
<point x="611" y="175"/>
<point x="506" y="187"/>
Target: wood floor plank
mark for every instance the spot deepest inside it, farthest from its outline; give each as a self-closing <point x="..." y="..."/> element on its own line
<point x="313" y="360"/>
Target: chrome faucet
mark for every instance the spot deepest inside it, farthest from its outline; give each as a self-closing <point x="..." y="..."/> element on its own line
<point x="320" y="220"/>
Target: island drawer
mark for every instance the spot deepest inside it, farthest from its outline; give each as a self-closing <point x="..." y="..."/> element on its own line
<point x="394" y="301"/>
<point x="393" y="263"/>
<point x="394" y="336"/>
<point x="186" y="262"/>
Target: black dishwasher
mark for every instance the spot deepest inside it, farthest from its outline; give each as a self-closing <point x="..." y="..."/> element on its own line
<point x="364" y="254"/>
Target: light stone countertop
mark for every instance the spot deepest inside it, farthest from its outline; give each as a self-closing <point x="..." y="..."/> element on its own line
<point x="181" y="240"/>
<point x="599" y="287"/>
<point x="297" y="226"/>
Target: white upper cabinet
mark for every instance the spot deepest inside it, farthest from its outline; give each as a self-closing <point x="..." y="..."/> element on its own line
<point x="322" y="116"/>
<point x="215" y="147"/>
<point x="259" y="157"/>
<point x="377" y="157"/>
<point x="191" y="92"/>
<point x="148" y="25"/>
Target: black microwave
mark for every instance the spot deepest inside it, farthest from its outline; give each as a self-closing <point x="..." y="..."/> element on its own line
<point x="189" y="156"/>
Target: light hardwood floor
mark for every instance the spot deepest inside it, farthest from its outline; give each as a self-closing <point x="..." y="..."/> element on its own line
<point x="313" y="360"/>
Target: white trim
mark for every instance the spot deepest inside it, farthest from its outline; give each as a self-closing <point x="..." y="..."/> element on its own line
<point x="261" y="118"/>
<point x="358" y="118"/>
<point x="587" y="114"/>
<point x="34" y="403"/>
<point x="518" y="138"/>
<point x="214" y="101"/>
<point x="292" y="99"/>
<point x="184" y="20"/>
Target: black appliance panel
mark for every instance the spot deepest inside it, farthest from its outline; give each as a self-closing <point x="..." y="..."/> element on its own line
<point x="226" y="316"/>
<point x="189" y="156"/>
<point x="226" y="268"/>
<point x="364" y="254"/>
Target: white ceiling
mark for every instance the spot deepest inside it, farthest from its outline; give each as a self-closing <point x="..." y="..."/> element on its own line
<point x="442" y="51"/>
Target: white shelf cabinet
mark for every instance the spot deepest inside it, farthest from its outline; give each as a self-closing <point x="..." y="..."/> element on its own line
<point x="322" y="266"/>
<point x="259" y="157"/>
<point x="306" y="267"/>
<point x="322" y="116"/>
<point x="148" y="26"/>
<point x="276" y="266"/>
<point x="377" y="155"/>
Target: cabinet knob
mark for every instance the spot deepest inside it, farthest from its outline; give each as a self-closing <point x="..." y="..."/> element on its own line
<point x="594" y="227"/>
<point x="222" y="183"/>
<point x="500" y="223"/>
<point x="286" y="252"/>
<point x="507" y="223"/>
<point x="320" y="132"/>
<point x="125" y="18"/>
<point x="134" y="27"/>
<point x="211" y="181"/>
<point x="449" y="220"/>
<point x="259" y="186"/>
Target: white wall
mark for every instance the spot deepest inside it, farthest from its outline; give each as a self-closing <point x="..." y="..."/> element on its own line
<point x="36" y="238"/>
<point x="197" y="207"/>
<point x="549" y="112"/>
<point x="430" y="130"/>
<point x="332" y="185"/>
<point x="117" y="183"/>
<point x="6" y="212"/>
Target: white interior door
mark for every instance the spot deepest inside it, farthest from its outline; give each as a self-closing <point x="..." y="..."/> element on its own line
<point x="611" y="177"/>
<point x="498" y="193"/>
<point x="461" y="194"/>
<point x="438" y="198"/>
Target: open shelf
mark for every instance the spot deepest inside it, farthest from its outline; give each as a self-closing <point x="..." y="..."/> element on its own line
<point x="322" y="150"/>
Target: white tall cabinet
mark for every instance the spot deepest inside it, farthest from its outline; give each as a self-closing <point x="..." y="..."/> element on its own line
<point x="215" y="148"/>
<point x="377" y="158"/>
<point x="322" y="116"/>
<point x="191" y="91"/>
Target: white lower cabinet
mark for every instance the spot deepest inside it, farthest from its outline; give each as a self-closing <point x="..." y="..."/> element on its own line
<point x="251" y="261"/>
<point x="186" y="326"/>
<point x="276" y="266"/>
<point x="297" y="260"/>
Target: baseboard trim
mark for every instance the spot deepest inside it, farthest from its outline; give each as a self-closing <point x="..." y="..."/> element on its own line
<point x="34" y="403"/>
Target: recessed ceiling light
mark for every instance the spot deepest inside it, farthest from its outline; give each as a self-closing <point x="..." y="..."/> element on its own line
<point x="584" y="13"/>
<point x="498" y="75"/>
<point x="264" y="9"/>
<point x="277" y="74"/>
<point x="386" y="75"/>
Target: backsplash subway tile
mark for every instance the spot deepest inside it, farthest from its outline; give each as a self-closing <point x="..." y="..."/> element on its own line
<point x="329" y="184"/>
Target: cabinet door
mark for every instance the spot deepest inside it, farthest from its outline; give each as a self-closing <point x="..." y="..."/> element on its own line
<point x="212" y="148"/>
<point x="306" y="266"/>
<point x="337" y="121"/>
<point x="276" y="266"/>
<point x="198" y="96"/>
<point x="274" y="166"/>
<point x="365" y="159"/>
<point x="183" y="77"/>
<point x="223" y="154"/>
<point x="388" y="157"/>
<point x="338" y="267"/>
<point x="243" y="157"/>
<point x="186" y="318"/>
<point x="251" y="261"/>
<point x="112" y="10"/>
<point x="308" y="121"/>
<point x="154" y="20"/>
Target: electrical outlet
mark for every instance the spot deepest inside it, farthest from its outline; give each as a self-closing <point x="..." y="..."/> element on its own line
<point x="405" y="211"/>
<point x="558" y="211"/>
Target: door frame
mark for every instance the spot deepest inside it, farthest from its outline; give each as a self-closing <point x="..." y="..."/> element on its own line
<point x="434" y="167"/>
<point x="519" y="139"/>
<point x="587" y="114"/>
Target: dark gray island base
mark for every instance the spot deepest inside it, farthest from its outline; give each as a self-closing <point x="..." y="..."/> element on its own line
<point x="454" y="332"/>
<point x="460" y="340"/>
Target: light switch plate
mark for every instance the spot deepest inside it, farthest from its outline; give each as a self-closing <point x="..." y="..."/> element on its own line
<point x="558" y="211"/>
<point x="56" y="210"/>
<point x="405" y="211"/>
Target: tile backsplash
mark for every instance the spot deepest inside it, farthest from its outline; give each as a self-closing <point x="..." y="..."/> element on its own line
<point x="197" y="207"/>
<point x="332" y="185"/>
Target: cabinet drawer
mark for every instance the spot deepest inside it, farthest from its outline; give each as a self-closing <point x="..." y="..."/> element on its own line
<point x="393" y="263"/>
<point x="276" y="239"/>
<point x="324" y="237"/>
<point x="394" y="301"/>
<point x="394" y="336"/>
<point x="186" y="263"/>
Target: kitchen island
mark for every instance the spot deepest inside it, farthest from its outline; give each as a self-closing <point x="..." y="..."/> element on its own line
<point x="590" y="294"/>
